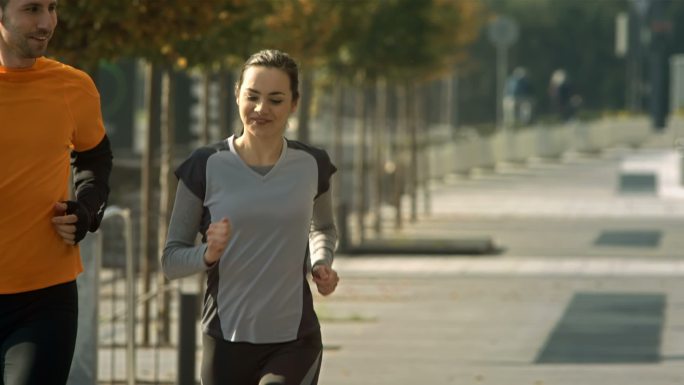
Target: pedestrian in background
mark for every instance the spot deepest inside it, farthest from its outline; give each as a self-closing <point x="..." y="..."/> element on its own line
<point x="518" y="98"/>
<point x="262" y="204"/>
<point x="563" y="100"/>
<point x="49" y="116"/>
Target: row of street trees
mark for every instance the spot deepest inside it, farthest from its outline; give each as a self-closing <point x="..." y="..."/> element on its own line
<point x="356" y="45"/>
<point x="385" y="54"/>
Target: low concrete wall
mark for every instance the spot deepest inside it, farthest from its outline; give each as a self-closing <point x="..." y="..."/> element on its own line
<point x="469" y="151"/>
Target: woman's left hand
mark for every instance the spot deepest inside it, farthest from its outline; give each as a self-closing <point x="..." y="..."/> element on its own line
<point x="326" y="279"/>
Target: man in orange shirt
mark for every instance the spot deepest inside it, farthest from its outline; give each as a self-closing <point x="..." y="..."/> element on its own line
<point x="49" y="117"/>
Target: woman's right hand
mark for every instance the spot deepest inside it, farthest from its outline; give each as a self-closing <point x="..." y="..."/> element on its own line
<point x="218" y="236"/>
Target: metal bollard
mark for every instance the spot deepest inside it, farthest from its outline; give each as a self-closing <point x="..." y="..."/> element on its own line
<point x="187" y="338"/>
<point x="84" y="365"/>
<point x="125" y="214"/>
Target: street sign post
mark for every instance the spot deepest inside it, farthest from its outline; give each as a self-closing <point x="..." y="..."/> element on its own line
<point x="502" y="32"/>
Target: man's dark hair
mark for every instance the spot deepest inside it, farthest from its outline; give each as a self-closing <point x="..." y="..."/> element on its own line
<point x="3" y="3"/>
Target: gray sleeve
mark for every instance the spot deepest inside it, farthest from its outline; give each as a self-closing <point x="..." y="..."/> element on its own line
<point x="181" y="256"/>
<point x="323" y="234"/>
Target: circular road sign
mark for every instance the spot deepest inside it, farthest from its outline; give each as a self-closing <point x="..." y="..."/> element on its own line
<point x="503" y="31"/>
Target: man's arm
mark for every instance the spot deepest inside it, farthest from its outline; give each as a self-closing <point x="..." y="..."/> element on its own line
<point x="91" y="180"/>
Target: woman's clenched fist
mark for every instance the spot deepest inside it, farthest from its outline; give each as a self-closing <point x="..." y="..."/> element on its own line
<point x="218" y="236"/>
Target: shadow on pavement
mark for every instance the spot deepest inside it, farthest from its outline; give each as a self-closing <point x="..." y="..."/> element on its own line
<point x="406" y="246"/>
<point x="607" y="328"/>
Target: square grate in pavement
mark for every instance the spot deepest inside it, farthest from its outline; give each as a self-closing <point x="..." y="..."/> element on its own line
<point x="629" y="238"/>
<point x="607" y="328"/>
<point x="638" y="183"/>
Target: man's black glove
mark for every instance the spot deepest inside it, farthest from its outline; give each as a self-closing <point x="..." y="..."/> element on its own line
<point x="83" y="222"/>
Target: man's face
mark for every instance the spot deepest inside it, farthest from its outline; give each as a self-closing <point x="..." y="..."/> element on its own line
<point x="26" y="27"/>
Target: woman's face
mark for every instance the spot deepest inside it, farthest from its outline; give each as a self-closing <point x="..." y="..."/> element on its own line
<point x="265" y="101"/>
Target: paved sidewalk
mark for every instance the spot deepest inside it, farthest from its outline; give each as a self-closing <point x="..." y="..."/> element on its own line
<point x="588" y="289"/>
<point x="480" y="330"/>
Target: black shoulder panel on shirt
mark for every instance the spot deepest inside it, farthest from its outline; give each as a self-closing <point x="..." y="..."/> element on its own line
<point x="193" y="171"/>
<point x="325" y="167"/>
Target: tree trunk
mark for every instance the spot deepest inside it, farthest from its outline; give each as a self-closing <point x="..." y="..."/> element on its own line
<point x="338" y="139"/>
<point x="378" y="145"/>
<point x="146" y="182"/>
<point x="454" y="113"/>
<point x="338" y="160"/>
<point x="226" y="102"/>
<point x="167" y="188"/>
<point x="205" y="127"/>
<point x="360" y="161"/>
<point x="303" y="129"/>
<point x="449" y="101"/>
<point x="413" y="152"/>
<point x="402" y="152"/>
<point x="423" y="146"/>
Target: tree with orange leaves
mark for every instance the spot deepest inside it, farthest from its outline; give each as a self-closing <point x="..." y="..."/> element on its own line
<point x="302" y="28"/>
